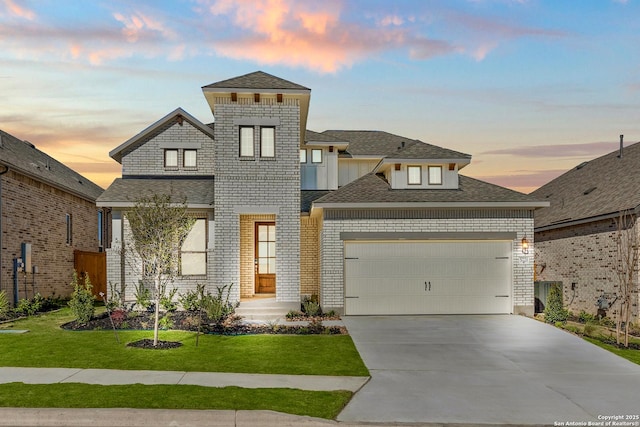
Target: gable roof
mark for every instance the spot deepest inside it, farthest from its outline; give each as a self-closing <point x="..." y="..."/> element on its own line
<point x="123" y="192"/>
<point x="25" y="158"/>
<point x="316" y="137"/>
<point x="256" y="80"/>
<point x="307" y="197"/>
<point x="372" y="190"/>
<point x="157" y="127"/>
<point x="600" y="187"/>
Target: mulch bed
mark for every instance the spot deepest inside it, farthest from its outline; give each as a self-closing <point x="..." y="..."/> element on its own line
<point x="147" y="343"/>
<point x="189" y="322"/>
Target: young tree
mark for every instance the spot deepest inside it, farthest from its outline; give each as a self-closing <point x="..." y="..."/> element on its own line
<point x="626" y="269"/>
<point x="158" y="229"/>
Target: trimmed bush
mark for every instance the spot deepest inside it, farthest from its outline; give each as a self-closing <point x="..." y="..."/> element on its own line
<point x="81" y="302"/>
<point x="555" y="312"/>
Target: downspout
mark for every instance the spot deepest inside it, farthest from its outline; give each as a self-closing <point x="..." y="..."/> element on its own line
<point x="2" y="172"/>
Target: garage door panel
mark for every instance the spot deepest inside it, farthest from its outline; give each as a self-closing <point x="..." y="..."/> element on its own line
<point x="427" y="277"/>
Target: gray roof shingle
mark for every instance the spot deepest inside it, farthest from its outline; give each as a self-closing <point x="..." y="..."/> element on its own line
<point x="27" y="159"/>
<point x="384" y="144"/>
<point x="256" y="80"/>
<point x="372" y="188"/>
<point x="195" y="191"/>
<point x="311" y="136"/>
<point x="307" y="197"/>
<point x="603" y="186"/>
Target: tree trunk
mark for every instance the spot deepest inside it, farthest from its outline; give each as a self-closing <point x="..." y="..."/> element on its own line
<point x="157" y="313"/>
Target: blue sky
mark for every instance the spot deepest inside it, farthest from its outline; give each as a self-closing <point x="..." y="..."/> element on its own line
<point x="528" y="88"/>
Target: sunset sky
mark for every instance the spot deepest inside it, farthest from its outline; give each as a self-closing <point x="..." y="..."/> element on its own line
<point x="528" y="88"/>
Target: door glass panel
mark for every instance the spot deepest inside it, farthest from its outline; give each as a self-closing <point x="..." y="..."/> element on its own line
<point x="272" y="233"/>
<point x="272" y="265"/>
<point x="263" y="233"/>
<point x="263" y="266"/>
<point x="263" y="249"/>
<point x="266" y="249"/>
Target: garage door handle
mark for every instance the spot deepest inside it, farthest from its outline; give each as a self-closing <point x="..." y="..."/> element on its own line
<point x="349" y="257"/>
<point x="502" y="296"/>
<point x="427" y="286"/>
<point x="352" y="297"/>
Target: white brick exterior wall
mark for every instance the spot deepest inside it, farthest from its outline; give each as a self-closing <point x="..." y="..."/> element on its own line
<point x="258" y="186"/>
<point x="332" y="251"/>
<point x="147" y="157"/>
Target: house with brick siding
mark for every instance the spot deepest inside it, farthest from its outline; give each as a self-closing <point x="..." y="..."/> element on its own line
<point x="51" y="208"/>
<point x="575" y="235"/>
<point x="366" y="221"/>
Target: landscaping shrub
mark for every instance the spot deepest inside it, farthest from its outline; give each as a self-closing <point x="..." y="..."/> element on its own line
<point x="191" y="301"/>
<point x="81" y="302"/>
<point x="29" y="307"/>
<point x="311" y="308"/>
<point x="4" y="303"/>
<point x="142" y="296"/>
<point x="555" y="312"/>
<point x="589" y="329"/>
<point x="585" y="317"/>
<point x="167" y="303"/>
<point x="218" y="307"/>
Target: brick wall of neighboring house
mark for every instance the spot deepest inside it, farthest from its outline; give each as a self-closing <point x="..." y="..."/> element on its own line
<point x="147" y="157"/>
<point x="247" y="252"/>
<point x="35" y="212"/>
<point x="309" y="256"/>
<point x="258" y="186"/>
<point x="583" y="257"/>
<point x="332" y="250"/>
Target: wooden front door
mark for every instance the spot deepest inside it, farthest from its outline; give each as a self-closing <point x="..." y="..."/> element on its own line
<point x="265" y="257"/>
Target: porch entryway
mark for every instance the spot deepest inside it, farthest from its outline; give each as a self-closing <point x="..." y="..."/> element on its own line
<point x="257" y="255"/>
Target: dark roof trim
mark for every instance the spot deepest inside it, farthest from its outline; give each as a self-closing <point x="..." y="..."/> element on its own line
<point x="581" y="221"/>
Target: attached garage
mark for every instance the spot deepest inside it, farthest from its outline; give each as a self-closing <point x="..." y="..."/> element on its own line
<point x="428" y="277"/>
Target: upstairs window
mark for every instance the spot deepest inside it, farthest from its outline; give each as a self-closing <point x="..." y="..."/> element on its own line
<point x="414" y="175"/>
<point x="316" y="156"/>
<point x="171" y="158"/>
<point x="190" y="158"/>
<point x="303" y="155"/>
<point x="435" y="175"/>
<point x="267" y="142"/>
<point x="246" y="141"/>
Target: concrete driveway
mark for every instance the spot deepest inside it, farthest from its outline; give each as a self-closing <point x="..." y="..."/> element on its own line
<point x="483" y="369"/>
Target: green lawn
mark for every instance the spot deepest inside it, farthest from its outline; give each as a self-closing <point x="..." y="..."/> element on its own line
<point x="49" y="346"/>
<point x="629" y="354"/>
<point x="299" y="402"/>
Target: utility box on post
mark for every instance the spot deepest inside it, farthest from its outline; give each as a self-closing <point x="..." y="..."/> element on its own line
<point x="26" y="256"/>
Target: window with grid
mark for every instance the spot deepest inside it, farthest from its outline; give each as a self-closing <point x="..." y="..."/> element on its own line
<point x="246" y="141"/>
<point x="267" y="142"/>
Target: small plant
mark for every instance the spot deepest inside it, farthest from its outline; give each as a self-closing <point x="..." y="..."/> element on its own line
<point x="311" y="308"/>
<point x="81" y="302"/>
<point x="142" y="296"/>
<point x="29" y="307"/>
<point x="293" y="314"/>
<point x="4" y="303"/>
<point x="218" y="307"/>
<point x="555" y="312"/>
<point x="585" y="317"/>
<point x="191" y="301"/>
<point x="119" y="317"/>
<point x="589" y="329"/>
<point x="167" y="303"/>
<point x="115" y="300"/>
<point x="166" y="322"/>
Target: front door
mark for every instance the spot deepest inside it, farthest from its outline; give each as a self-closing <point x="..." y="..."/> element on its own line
<point x="265" y="257"/>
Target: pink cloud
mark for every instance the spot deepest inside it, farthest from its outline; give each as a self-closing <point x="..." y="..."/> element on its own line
<point x="20" y="11"/>
<point x="589" y="150"/>
<point x="523" y="181"/>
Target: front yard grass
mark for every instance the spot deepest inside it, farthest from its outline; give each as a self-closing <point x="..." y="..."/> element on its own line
<point x="47" y="345"/>
<point x="73" y="395"/>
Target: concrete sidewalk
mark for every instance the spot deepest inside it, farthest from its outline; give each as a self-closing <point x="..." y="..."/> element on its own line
<point x="206" y="379"/>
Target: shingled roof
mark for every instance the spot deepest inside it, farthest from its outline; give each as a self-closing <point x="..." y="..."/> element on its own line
<point x="311" y="136"/>
<point x="196" y="192"/>
<point x="256" y="80"/>
<point x="600" y="187"/>
<point x="372" y="188"/>
<point x="25" y="158"/>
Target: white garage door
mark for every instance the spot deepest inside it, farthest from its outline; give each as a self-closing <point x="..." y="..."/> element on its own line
<point x="435" y="277"/>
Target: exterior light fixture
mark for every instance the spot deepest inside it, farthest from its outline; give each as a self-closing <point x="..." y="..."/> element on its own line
<point x="525" y="245"/>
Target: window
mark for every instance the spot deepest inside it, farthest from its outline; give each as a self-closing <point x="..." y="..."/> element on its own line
<point x="414" y="175"/>
<point x="190" y="158"/>
<point x="69" y="221"/>
<point x="246" y="141"/>
<point x="435" y="175"/>
<point x="171" y="158"/>
<point x="267" y="142"/>
<point x="303" y="155"/>
<point x="193" y="254"/>
<point x="316" y="156"/>
<point x="100" y="228"/>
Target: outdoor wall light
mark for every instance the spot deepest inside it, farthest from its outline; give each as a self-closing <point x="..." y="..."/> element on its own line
<point x="525" y="245"/>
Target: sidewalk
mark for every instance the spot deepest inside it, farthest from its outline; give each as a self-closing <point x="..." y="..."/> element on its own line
<point x="206" y="379"/>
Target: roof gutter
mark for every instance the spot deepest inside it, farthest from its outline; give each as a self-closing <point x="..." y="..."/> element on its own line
<point x="581" y="221"/>
<point x="392" y="205"/>
<point x="2" y="172"/>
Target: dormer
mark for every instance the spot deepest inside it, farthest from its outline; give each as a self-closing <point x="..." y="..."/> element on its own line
<point x="422" y="166"/>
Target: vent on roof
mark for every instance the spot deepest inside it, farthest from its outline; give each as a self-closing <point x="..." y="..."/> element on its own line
<point x="548" y="195"/>
<point x="581" y="165"/>
<point x="589" y="190"/>
<point x="29" y="144"/>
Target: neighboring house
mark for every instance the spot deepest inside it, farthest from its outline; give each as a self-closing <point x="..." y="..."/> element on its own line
<point x="575" y="235"/>
<point x="370" y="222"/>
<point x="50" y="208"/>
